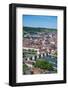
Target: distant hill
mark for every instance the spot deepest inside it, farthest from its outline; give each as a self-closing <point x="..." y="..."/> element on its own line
<point x="35" y="30"/>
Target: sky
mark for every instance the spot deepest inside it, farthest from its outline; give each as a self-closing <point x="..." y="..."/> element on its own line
<point x="40" y="21"/>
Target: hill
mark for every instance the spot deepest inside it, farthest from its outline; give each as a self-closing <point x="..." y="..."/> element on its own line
<point x="35" y="30"/>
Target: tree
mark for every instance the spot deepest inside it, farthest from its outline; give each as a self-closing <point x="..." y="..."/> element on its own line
<point x="43" y="64"/>
<point x="25" y="67"/>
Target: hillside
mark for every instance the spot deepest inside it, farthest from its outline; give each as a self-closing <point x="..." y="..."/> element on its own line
<point x="35" y="30"/>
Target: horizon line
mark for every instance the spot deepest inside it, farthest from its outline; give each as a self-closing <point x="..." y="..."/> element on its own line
<point x="39" y="27"/>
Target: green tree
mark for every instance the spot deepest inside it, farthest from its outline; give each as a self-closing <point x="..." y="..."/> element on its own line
<point x="25" y="67"/>
<point x="43" y="64"/>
